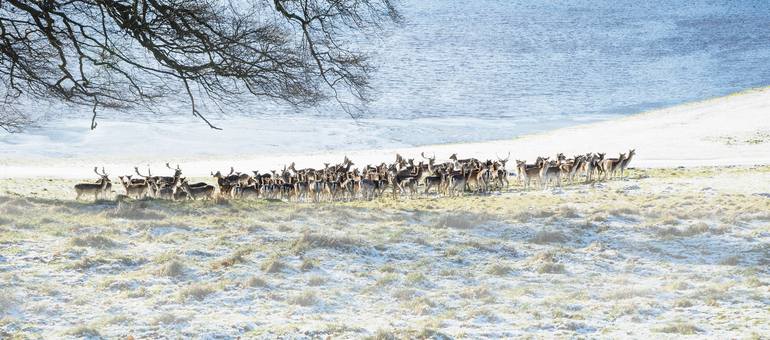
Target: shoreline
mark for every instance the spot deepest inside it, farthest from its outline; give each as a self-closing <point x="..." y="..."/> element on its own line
<point x="720" y="131"/>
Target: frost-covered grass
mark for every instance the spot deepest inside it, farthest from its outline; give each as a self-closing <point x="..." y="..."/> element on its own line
<point x="670" y="252"/>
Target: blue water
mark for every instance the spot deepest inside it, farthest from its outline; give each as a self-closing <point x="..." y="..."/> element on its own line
<point x="549" y="59"/>
<point x="474" y="70"/>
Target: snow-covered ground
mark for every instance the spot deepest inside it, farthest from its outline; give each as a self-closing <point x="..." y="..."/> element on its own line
<point x="731" y="130"/>
<point x="667" y="253"/>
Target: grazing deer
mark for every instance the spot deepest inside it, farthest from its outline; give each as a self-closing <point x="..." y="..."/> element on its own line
<point x="248" y="192"/>
<point x="195" y="193"/>
<point x="102" y="187"/>
<point x="624" y="163"/>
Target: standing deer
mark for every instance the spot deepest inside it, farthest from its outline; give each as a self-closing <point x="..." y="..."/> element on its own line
<point x="102" y="187"/>
<point x="624" y="163"/>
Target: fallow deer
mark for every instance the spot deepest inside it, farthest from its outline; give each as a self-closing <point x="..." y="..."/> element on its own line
<point x="102" y="187"/>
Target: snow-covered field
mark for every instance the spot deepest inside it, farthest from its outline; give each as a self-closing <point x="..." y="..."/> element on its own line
<point x="666" y="253"/>
<point x="731" y="130"/>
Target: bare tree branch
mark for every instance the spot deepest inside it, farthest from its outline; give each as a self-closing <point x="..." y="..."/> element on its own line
<point x="127" y="53"/>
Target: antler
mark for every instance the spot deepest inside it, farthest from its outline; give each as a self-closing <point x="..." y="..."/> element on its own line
<point x="169" y="166"/>
<point x="232" y="169"/>
<point x="136" y="169"/>
<point x="104" y="172"/>
<point x="96" y="170"/>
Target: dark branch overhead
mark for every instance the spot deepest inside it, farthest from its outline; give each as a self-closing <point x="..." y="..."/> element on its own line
<point x="128" y="53"/>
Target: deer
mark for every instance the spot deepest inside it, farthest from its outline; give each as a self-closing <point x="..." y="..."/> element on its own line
<point x="168" y="192"/>
<point x="550" y="171"/>
<point x="610" y="165"/>
<point x="435" y="180"/>
<point x="625" y="161"/>
<point x="136" y="190"/>
<point x="194" y="193"/>
<point x="594" y="165"/>
<point x="499" y="173"/>
<point x="457" y="182"/>
<point x="527" y="172"/>
<point x="150" y="181"/>
<point x="571" y="170"/>
<point x="168" y="180"/>
<point x="226" y="186"/>
<point x="101" y="187"/>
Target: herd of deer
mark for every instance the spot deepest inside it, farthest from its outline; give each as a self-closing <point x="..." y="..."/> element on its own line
<point x="342" y="182"/>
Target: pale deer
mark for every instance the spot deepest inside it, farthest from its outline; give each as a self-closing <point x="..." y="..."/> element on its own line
<point x="624" y="163"/>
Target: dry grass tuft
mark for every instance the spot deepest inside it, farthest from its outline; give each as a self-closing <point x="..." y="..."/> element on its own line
<point x="476" y="293"/>
<point x="93" y="241"/>
<point x="172" y="268"/>
<point x="305" y="299"/>
<point x="316" y="281"/>
<point x="382" y="335"/>
<point x="273" y="265"/>
<point x="405" y="294"/>
<point x="421" y="305"/>
<point x="623" y="211"/>
<point x="387" y="269"/>
<point x="545" y="237"/>
<point x="310" y="241"/>
<point x="135" y="211"/>
<point x="255" y="281"/>
<point x="679" y="328"/>
<point x="196" y="291"/>
<point x="551" y="268"/>
<point x="84" y="331"/>
<point x="7" y="303"/>
<point x="307" y="265"/>
<point x="387" y="279"/>
<point x="730" y="260"/>
<point x="167" y="319"/>
<point x="417" y="278"/>
<point x="499" y="269"/>
<point x="235" y="258"/>
<point x="463" y="220"/>
<point x="689" y="231"/>
<point x="566" y="211"/>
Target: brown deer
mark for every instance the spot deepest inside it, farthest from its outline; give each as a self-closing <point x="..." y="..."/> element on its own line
<point x="102" y="187"/>
<point x="610" y="165"/>
<point x="195" y="193"/>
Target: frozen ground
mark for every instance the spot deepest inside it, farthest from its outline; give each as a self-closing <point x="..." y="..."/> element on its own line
<point x="670" y="252"/>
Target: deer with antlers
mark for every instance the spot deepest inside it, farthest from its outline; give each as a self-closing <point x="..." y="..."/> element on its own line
<point x="101" y="188"/>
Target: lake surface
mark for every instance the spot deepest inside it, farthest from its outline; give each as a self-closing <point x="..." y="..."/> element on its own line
<point x="546" y="59"/>
<point x="460" y="71"/>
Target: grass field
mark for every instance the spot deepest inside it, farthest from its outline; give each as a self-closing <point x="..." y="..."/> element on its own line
<point x="669" y="252"/>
